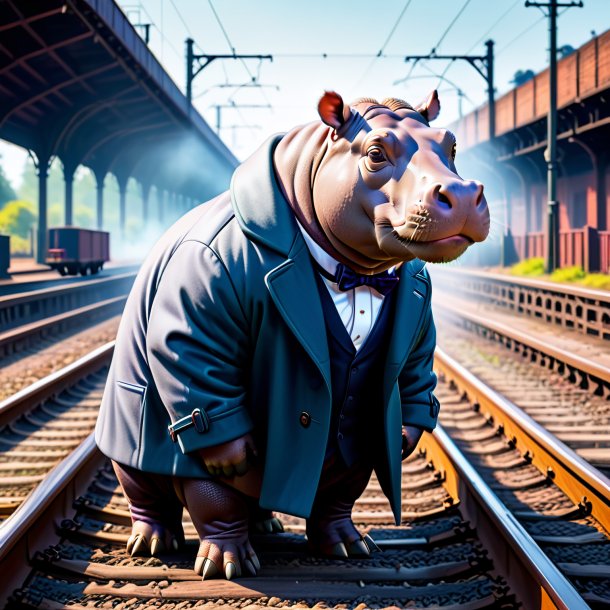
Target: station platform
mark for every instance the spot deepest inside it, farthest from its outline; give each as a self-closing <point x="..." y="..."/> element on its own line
<point x="26" y="274"/>
<point x="21" y="265"/>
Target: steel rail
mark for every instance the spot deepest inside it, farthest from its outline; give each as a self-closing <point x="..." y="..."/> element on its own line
<point x="580" y="481"/>
<point x="535" y="579"/>
<point x="29" y="530"/>
<point x="53" y="384"/>
<point x="27" y="330"/>
<point x="584" y="365"/>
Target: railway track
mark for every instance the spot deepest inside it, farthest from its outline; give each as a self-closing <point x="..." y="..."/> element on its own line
<point x="28" y="317"/>
<point x="459" y="546"/>
<point x="42" y="424"/>
<point x="567" y="393"/>
<point x="558" y="497"/>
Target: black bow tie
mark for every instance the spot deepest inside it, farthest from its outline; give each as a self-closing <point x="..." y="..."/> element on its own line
<point x="346" y="279"/>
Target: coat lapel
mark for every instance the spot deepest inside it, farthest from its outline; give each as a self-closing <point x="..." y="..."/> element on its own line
<point x="265" y="217"/>
<point x="292" y="286"/>
<point x="410" y="306"/>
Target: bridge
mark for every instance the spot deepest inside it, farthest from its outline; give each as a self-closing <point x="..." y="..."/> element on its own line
<point x="78" y="83"/>
<point x="514" y="160"/>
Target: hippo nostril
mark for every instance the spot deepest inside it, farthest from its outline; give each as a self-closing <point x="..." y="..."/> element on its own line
<point x="444" y="201"/>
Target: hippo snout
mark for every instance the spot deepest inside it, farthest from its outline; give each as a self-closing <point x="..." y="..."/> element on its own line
<point x="454" y="194"/>
<point x="461" y="206"/>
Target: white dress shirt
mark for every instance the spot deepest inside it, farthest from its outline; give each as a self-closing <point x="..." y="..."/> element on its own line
<point x="358" y="308"/>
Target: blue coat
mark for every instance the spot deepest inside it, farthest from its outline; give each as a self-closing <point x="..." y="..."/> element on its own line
<point x="223" y="334"/>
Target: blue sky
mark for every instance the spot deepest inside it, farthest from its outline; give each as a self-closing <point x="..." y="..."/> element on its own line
<point x="351" y="33"/>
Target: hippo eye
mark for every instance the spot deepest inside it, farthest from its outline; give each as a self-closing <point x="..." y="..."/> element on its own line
<point x="375" y="156"/>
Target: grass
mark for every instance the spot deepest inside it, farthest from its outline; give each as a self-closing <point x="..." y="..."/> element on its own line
<point x="534" y="267"/>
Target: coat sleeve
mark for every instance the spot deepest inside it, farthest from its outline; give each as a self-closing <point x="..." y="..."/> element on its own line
<point x="417" y="380"/>
<point x="197" y="348"/>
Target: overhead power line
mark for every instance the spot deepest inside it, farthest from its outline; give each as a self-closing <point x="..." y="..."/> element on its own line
<point x="396" y="24"/>
<point x="383" y="46"/>
<point x="184" y="23"/>
<point x="495" y="23"/>
<point x="519" y="35"/>
<point x="448" y="29"/>
<point x="253" y="78"/>
<point x="483" y="37"/>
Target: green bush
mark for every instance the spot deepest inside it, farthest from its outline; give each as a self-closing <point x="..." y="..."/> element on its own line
<point x="568" y="274"/>
<point x="529" y="266"/>
<point x="600" y="281"/>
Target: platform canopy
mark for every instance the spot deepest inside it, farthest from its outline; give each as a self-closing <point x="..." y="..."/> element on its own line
<point x="76" y="81"/>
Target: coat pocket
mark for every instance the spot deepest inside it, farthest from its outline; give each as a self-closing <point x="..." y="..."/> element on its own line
<point x="131" y="398"/>
<point x="136" y="391"/>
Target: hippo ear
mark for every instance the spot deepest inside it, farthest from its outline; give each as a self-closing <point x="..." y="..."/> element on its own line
<point x="333" y="111"/>
<point x="430" y="108"/>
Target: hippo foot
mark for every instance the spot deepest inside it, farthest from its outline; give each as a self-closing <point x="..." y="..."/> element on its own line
<point x="220" y="516"/>
<point x="151" y="539"/>
<point x="228" y="557"/>
<point x="337" y="538"/>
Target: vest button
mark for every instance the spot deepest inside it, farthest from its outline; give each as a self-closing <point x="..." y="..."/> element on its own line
<point x="305" y="419"/>
<point x="350" y="399"/>
<point x="340" y="436"/>
<point x="341" y="416"/>
<point x="355" y="369"/>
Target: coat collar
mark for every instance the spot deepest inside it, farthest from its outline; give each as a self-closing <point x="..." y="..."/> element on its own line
<point x="260" y="208"/>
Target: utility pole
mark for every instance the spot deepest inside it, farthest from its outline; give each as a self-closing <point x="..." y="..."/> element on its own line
<point x="196" y="63"/>
<point x="484" y="65"/>
<point x="550" y="154"/>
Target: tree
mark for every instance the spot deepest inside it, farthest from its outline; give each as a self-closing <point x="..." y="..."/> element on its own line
<point x="6" y="190"/>
<point x="17" y="218"/>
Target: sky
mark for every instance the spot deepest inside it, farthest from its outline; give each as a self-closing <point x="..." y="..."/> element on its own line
<point x="354" y="47"/>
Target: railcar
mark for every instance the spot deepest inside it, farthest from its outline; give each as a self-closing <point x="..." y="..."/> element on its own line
<point x="75" y="250"/>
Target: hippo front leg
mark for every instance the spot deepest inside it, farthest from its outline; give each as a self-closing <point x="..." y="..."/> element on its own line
<point x="220" y="516"/>
<point x="219" y="508"/>
<point x="156" y="511"/>
<point x="330" y="530"/>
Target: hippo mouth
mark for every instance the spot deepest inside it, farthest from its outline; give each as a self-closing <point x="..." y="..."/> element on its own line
<point x="441" y="250"/>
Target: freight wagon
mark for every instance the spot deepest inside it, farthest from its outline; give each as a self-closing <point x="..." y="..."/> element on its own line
<point x="73" y="250"/>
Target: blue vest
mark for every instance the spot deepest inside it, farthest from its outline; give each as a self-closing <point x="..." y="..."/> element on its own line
<point x="356" y="379"/>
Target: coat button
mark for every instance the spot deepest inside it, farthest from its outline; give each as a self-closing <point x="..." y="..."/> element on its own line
<point x="340" y="436"/>
<point x="305" y="419"/>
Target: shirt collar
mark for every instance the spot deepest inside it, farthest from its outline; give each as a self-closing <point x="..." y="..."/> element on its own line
<point x="325" y="260"/>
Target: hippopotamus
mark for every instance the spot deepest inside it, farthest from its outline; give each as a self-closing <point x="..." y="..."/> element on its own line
<point x="277" y="345"/>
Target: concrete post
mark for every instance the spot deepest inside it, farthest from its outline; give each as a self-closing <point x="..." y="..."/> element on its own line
<point x="43" y="173"/>
<point x="100" y="176"/>
<point x="146" y="186"/>
<point x="122" y="205"/>
<point x="161" y="198"/>
<point x="69" y="182"/>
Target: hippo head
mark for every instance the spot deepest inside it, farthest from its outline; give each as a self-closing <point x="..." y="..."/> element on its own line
<point x="375" y="185"/>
